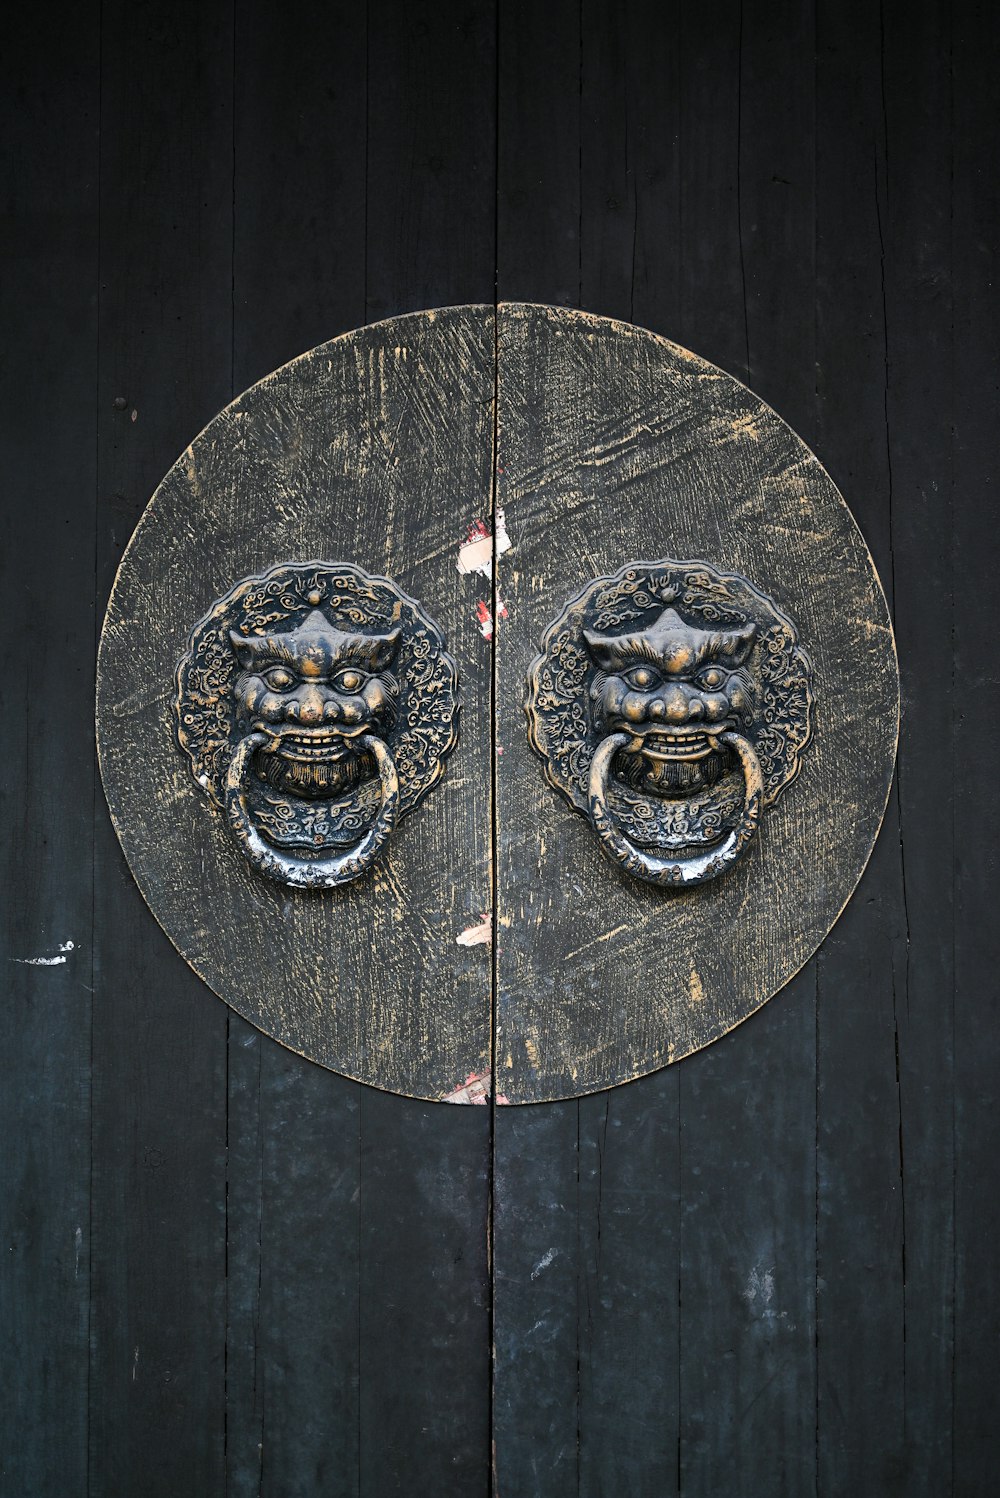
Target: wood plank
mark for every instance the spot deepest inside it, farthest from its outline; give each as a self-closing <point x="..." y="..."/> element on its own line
<point x="747" y="1105"/>
<point x="915" y="221"/>
<point x="293" y="1267"/>
<point x="431" y="155"/>
<point x="860" y="1304"/>
<point x="157" y="1380"/>
<point x="536" y="1151"/>
<point x="424" y="1419"/>
<point x="48" y="312"/>
<point x="973" y="553"/>
<point x="629" y="1221"/>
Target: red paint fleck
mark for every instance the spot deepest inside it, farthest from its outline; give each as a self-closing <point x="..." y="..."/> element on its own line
<point x="477" y="531"/>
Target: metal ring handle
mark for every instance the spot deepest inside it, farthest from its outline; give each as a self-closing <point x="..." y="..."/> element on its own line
<point x="684" y="869"/>
<point x="310" y="873"/>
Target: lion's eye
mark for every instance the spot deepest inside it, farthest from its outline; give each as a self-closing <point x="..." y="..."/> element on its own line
<point x="643" y="678"/>
<point x="279" y="679"/>
<point x="712" y="678"/>
<point x="348" y="680"/>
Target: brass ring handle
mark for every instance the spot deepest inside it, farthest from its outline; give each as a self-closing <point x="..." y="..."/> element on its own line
<point x="310" y="873"/>
<point x="679" y="870"/>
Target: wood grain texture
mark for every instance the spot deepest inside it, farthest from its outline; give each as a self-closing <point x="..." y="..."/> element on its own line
<point x="425" y="1185"/>
<point x="48" y="202"/>
<point x="159" y="1130"/>
<point x="974" y="554"/>
<point x="748" y="1104"/>
<point x="293" y="1339"/>
<point x="616" y="446"/>
<point x="354" y="1270"/>
<point x="807" y="196"/>
<point x="373" y="449"/>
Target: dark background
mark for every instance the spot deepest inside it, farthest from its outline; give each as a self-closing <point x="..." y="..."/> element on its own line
<point x="769" y="1270"/>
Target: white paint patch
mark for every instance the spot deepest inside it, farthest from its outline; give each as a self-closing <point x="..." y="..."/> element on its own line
<point x="64" y="947"/>
<point x="759" y="1290"/>
<point x="759" y="1296"/>
<point x="77" y="1247"/>
<point x="475" y="936"/>
<point x="476" y="552"/>
<point x="544" y="1262"/>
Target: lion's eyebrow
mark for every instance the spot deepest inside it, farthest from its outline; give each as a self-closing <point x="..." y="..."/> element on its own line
<point x="271" y="652"/>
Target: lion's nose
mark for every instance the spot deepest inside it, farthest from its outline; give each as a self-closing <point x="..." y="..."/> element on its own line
<point x="676" y="706"/>
<point x="310" y="705"/>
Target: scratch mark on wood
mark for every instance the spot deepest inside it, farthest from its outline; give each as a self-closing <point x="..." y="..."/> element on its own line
<point x="544" y="1262"/>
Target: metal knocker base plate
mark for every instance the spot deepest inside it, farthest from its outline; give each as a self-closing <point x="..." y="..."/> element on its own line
<point x="656" y="565"/>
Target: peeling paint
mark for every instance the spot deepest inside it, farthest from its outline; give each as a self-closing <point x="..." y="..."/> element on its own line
<point x="484" y="616"/>
<point x="475" y="554"/>
<point x="475" y="1089"/>
<point x="695" y="986"/>
<point x="64" y="947"/>
<point x="759" y="1296"/>
<point x="474" y="936"/>
<point x="759" y="1287"/>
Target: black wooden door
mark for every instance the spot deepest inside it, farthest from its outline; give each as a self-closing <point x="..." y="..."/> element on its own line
<point x="770" y="1269"/>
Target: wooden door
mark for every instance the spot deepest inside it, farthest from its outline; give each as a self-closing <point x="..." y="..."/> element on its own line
<point x="767" y="1269"/>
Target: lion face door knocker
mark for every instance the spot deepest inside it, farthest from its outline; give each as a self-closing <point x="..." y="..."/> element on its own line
<point x="317" y="704"/>
<point x="671" y="704"/>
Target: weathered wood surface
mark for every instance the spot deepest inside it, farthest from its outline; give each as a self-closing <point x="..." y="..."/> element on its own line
<point x="616" y="446"/>
<point x="374" y="449"/>
<point x="50" y="339"/>
<point x="723" y="176"/>
<point x="806" y="196"/>
<point x="358" y="1249"/>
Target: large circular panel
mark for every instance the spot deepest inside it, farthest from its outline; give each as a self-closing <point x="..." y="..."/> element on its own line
<point x="654" y="567"/>
<point x="696" y="629"/>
